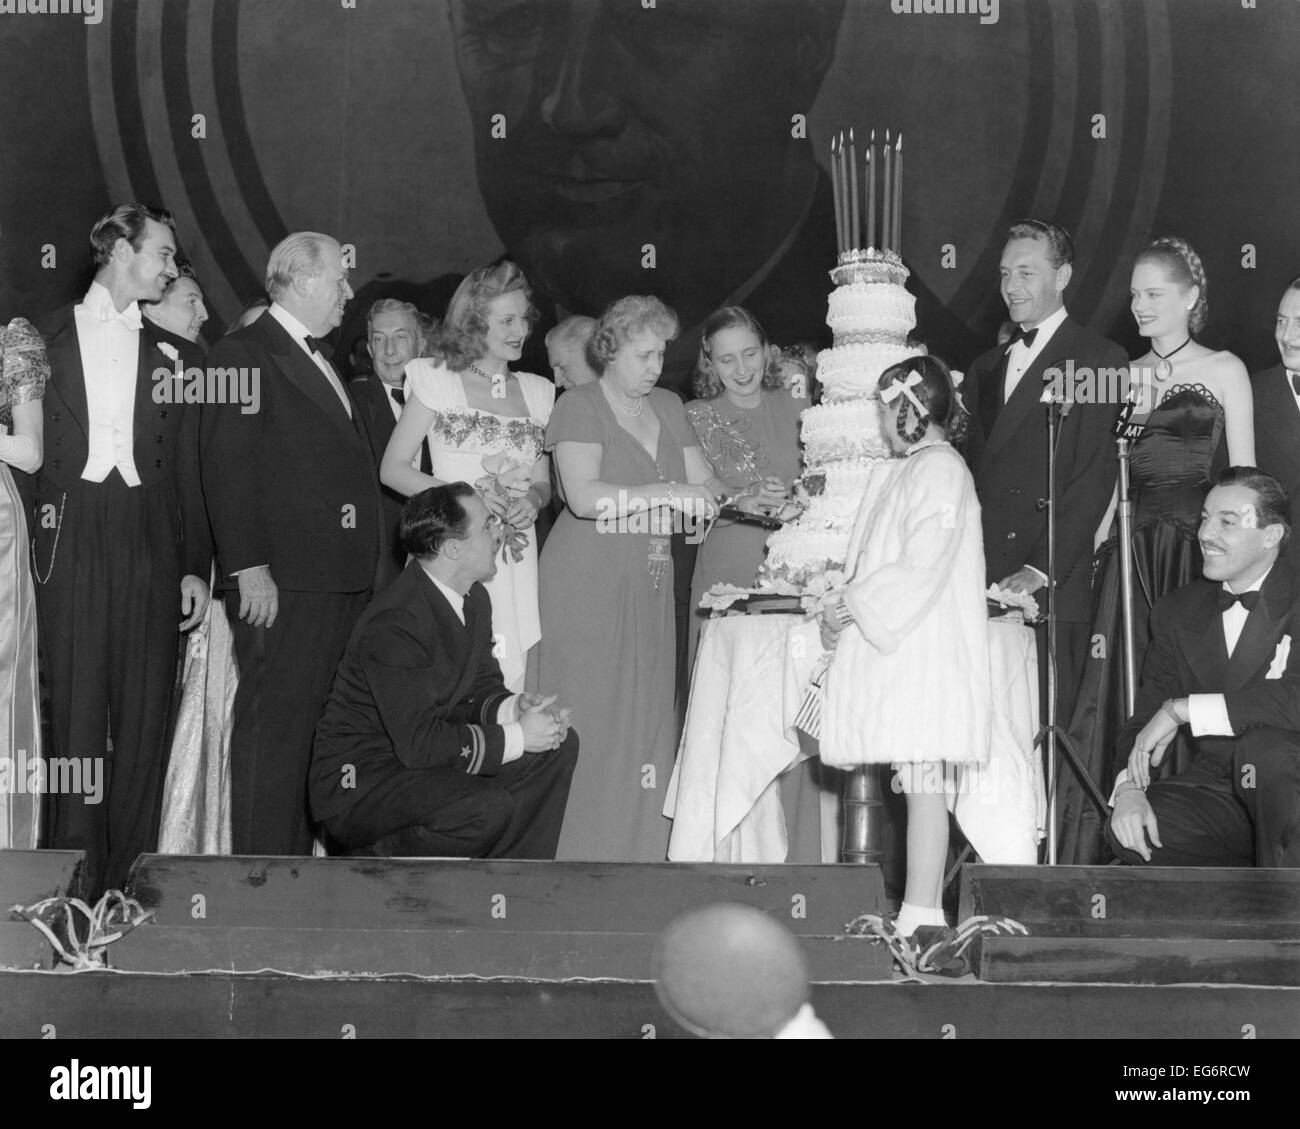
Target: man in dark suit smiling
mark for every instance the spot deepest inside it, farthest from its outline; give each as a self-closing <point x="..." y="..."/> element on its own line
<point x="422" y="750"/>
<point x="1221" y="663"/>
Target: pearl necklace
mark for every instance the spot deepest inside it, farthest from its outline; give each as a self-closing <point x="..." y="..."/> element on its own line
<point x="498" y="381"/>
<point x="628" y="405"/>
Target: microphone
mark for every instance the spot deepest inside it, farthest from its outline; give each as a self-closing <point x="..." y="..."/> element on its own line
<point x="1125" y="428"/>
<point x="1053" y="387"/>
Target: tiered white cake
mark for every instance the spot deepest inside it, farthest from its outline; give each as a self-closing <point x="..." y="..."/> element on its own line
<point x="870" y="314"/>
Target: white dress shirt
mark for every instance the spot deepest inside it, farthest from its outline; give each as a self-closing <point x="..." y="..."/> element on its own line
<point x="300" y="333"/>
<point x="109" y="340"/>
<point x="1022" y="356"/>
<point x="508" y="711"/>
<point x="1208" y="713"/>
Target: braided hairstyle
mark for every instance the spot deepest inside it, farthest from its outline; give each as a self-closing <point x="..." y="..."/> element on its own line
<point x="1183" y="265"/>
<point x="937" y="392"/>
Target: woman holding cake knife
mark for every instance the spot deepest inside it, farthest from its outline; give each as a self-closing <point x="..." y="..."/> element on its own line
<point x="747" y="423"/>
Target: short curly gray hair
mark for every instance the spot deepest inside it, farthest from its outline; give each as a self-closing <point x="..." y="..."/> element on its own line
<point x="623" y="320"/>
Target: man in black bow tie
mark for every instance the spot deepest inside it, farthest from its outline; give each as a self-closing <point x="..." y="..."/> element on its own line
<point x="1007" y="447"/>
<point x="1220" y="663"/>
<point x="1277" y="408"/>
<point x="293" y="495"/>
<point x="393" y="338"/>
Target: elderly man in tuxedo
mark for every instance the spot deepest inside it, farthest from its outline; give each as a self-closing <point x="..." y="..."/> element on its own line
<point x="422" y="750"/>
<point x="1277" y="409"/>
<point x="394" y="337"/>
<point x="1221" y="663"/>
<point x="293" y="495"/>
<point x="1007" y="445"/>
<point x="120" y="543"/>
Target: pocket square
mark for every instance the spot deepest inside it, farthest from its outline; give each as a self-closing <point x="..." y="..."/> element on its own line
<point x="1280" y="656"/>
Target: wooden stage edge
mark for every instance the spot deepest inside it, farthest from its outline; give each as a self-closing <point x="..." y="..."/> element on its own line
<point x="215" y="1005"/>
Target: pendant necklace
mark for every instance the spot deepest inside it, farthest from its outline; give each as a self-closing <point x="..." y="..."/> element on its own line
<point x="1164" y="370"/>
<point x="498" y="381"/>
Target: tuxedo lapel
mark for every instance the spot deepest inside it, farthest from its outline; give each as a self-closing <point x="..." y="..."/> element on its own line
<point x="150" y="358"/>
<point x="1202" y="643"/>
<point x="1028" y="394"/>
<point x="1263" y="630"/>
<point x="68" y="376"/>
<point x="1279" y="422"/>
<point x="301" y="371"/>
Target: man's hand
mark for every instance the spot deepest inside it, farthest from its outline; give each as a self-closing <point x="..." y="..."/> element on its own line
<point x="259" y="598"/>
<point x="544" y="726"/>
<point x="1027" y="581"/>
<point x="1149" y="748"/>
<point x="194" y="601"/>
<point x="1133" y="821"/>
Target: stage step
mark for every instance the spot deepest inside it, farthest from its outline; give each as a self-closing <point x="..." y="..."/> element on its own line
<point x="455" y="917"/>
<point x="1150" y="925"/>
<point x="142" y="1005"/>
<point x="1123" y="901"/>
<point x="27" y="877"/>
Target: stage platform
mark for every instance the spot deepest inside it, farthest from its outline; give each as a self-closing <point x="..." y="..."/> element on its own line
<point x="243" y="947"/>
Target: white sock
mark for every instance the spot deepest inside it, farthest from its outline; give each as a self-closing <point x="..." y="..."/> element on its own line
<point x="910" y="916"/>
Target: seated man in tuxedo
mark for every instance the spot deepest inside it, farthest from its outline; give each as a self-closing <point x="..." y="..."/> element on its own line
<point x="422" y="750"/>
<point x="1221" y="662"/>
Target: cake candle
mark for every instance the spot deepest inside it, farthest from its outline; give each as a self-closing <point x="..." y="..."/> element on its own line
<point x="853" y="177"/>
<point x="898" y="197"/>
<point x="887" y="227"/>
<point x="835" y="189"/>
<point x="871" y="192"/>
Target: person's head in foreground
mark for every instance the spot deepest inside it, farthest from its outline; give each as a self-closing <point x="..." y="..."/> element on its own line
<point x="450" y="530"/>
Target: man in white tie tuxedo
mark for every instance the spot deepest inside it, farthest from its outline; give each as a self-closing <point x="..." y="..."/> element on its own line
<point x="120" y="543"/>
<point x="1221" y="664"/>
<point x="293" y="496"/>
<point x="1277" y="408"/>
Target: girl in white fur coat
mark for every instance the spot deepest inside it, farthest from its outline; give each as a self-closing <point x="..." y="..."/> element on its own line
<point x="909" y="682"/>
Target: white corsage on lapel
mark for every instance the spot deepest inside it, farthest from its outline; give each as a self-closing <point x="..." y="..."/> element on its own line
<point x="169" y="351"/>
<point x="1280" y="657"/>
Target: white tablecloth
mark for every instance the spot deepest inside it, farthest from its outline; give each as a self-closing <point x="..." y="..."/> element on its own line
<point x="750" y="674"/>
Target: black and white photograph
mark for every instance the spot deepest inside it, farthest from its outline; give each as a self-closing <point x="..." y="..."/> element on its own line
<point x="650" y="519"/>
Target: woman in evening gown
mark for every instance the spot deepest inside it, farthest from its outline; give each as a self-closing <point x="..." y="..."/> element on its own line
<point x="629" y="468"/>
<point x="747" y="424"/>
<point x="473" y="408"/>
<point x="23" y="373"/>
<point x="1194" y="401"/>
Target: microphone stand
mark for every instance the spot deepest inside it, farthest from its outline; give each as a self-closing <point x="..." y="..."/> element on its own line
<point x="1124" y="512"/>
<point x="1051" y="737"/>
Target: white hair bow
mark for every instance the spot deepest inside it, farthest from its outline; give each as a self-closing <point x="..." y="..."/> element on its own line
<point x="904" y="386"/>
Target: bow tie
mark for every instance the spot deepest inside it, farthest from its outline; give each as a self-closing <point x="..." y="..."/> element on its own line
<point x="1248" y="600"/>
<point x="1022" y="334"/>
<point x="130" y="317"/>
<point x="316" y="345"/>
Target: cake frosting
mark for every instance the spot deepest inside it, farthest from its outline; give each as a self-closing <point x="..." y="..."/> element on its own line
<point x="870" y="313"/>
